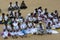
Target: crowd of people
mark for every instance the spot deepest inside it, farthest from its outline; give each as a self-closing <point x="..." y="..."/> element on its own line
<point x="16" y="25"/>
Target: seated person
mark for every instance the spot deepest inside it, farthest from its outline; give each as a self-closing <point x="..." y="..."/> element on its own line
<point x="40" y="28"/>
<point x="5" y="32"/>
<point x="23" y="5"/>
<point x="10" y="8"/>
<point x="3" y="18"/>
<point x="49" y="30"/>
<point x="20" y="33"/>
<point x="33" y="29"/>
<point x="16" y="6"/>
<point x="11" y="14"/>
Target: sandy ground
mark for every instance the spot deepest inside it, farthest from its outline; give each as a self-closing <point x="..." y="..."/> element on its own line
<point x="32" y="4"/>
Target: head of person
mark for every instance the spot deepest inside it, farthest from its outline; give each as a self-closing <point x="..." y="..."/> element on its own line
<point x="10" y="3"/>
<point x="7" y="15"/>
<point x="52" y="13"/>
<point x="55" y="11"/>
<point x="31" y="14"/>
<point x="36" y="10"/>
<point x="40" y="8"/>
<point x="3" y="14"/>
<point x="45" y="9"/>
<point x="22" y="1"/>
<point x="16" y="2"/>
<point x="19" y="13"/>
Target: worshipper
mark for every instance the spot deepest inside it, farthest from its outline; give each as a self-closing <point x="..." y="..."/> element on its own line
<point x="40" y="28"/>
<point x="10" y="8"/>
<point x="56" y="13"/>
<point x="23" y="26"/>
<point x="16" y="15"/>
<point x="40" y="10"/>
<point x="35" y="11"/>
<point x="11" y="14"/>
<point x="29" y="26"/>
<point x="23" y="5"/>
<point x="5" y="32"/>
<point x="29" y="18"/>
<point x="51" y="15"/>
<point x="33" y="29"/>
<point x="20" y="33"/>
<point x="20" y="19"/>
<point x="46" y="13"/>
<point x="35" y="19"/>
<point x="3" y="19"/>
<point x="49" y="29"/>
<point x="56" y="23"/>
<point x="19" y="14"/>
<point x="12" y="32"/>
<point x="55" y="20"/>
<point x="15" y="24"/>
<point x="16" y="6"/>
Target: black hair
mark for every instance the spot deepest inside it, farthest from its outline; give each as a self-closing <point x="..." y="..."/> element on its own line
<point x="3" y="13"/>
<point x="36" y="10"/>
<point x="10" y="2"/>
<point x="40" y="7"/>
<point x="16" y="1"/>
<point x="55" y="11"/>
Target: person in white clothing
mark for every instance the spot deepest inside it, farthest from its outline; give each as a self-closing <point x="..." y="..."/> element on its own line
<point x="40" y="28"/>
<point x="49" y="30"/>
<point x="10" y="8"/>
<point x="16" y="6"/>
<point x="5" y="32"/>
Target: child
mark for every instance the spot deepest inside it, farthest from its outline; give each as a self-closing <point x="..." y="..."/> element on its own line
<point x="35" y="11"/>
<point x="5" y="32"/>
<point x="49" y="30"/>
<point x="10" y="8"/>
<point x="4" y="18"/>
<point x="35" y="18"/>
<point x="19" y="14"/>
<point x="33" y="29"/>
<point x="40" y="28"/>
<point x="11" y="14"/>
<point x="15" y="24"/>
<point x="29" y="18"/>
<point x="16" y="15"/>
<point x="20" y="33"/>
<point x="56" y="13"/>
<point x="29" y="26"/>
<point x="40" y="10"/>
<point x="12" y="32"/>
<point x="16" y="6"/>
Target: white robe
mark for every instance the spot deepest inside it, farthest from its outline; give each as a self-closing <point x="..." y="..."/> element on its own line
<point x="52" y="31"/>
<point x="12" y="33"/>
<point x="15" y="26"/>
<point x="33" y="30"/>
<point x="5" y="34"/>
<point x="30" y="19"/>
<point x="23" y="25"/>
<point x="19" y="33"/>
